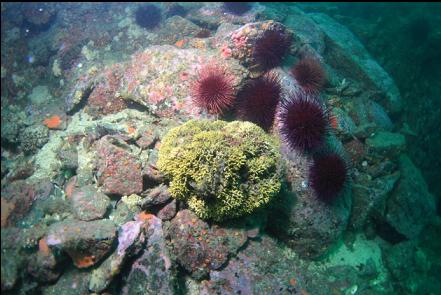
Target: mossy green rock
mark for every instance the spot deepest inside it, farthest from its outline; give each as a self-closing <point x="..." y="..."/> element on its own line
<point x="387" y="143"/>
<point x="222" y="170"/>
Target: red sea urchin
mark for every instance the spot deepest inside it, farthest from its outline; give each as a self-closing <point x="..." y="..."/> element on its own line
<point x="303" y="122"/>
<point x="327" y="176"/>
<point x="270" y="49"/>
<point x="310" y="75"/>
<point x="257" y="101"/>
<point x="213" y="90"/>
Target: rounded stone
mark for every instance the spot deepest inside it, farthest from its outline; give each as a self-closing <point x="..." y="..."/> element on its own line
<point x="89" y="204"/>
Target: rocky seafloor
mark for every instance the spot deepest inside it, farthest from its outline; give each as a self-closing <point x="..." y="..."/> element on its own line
<point x="88" y="95"/>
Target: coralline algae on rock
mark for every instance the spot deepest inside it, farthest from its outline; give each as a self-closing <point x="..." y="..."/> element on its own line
<point x="119" y="171"/>
<point x="158" y="78"/>
<point x="247" y="44"/>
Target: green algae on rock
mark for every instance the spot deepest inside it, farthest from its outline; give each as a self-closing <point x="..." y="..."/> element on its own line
<point x="222" y="170"/>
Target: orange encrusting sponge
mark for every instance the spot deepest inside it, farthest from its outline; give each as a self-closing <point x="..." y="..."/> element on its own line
<point x="52" y="122"/>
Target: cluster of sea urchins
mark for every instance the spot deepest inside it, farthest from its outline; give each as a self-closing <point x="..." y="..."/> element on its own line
<point x="258" y="100"/>
<point x="304" y="121"/>
<point x="304" y="126"/>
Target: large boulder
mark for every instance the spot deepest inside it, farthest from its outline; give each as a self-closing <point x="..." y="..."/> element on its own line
<point x="410" y="207"/>
<point x="268" y="267"/>
<point x="89" y="204"/>
<point x="306" y="223"/>
<point x="87" y="243"/>
<point x="131" y="239"/>
<point x="158" y="79"/>
<point x="199" y="248"/>
<point x="345" y="53"/>
<point x="119" y="169"/>
<point x="153" y="271"/>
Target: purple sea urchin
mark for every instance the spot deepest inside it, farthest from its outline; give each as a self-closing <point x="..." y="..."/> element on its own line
<point x="327" y="175"/>
<point x="271" y="48"/>
<point x="303" y="122"/>
<point x="258" y="99"/>
<point x="237" y="8"/>
<point x="148" y="16"/>
<point x="310" y="75"/>
<point x="213" y="90"/>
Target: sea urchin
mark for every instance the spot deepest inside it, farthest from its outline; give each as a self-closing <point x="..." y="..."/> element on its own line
<point x="303" y="122"/>
<point x="309" y="74"/>
<point x="258" y="99"/>
<point x="270" y="49"/>
<point x="213" y="90"/>
<point x="327" y="176"/>
<point x="237" y="8"/>
<point x="148" y="16"/>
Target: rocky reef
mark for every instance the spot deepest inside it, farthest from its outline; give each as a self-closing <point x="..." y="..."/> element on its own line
<point x="123" y="173"/>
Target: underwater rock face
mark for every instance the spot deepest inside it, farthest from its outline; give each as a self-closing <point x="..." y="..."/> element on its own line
<point x="168" y="212"/>
<point x="267" y="267"/>
<point x="89" y="204"/>
<point x="131" y="239"/>
<point x="212" y="15"/>
<point x="369" y="198"/>
<point x="16" y="201"/>
<point x="85" y="242"/>
<point x="306" y="223"/>
<point x="309" y="38"/>
<point x="153" y="272"/>
<point x="386" y="144"/>
<point x="158" y="78"/>
<point x="43" y="267"/>
<point x="12" y="122"/>
<point x="125" y="87"/>
<point x="158" y="195"/>
<point x="411" y="207"/>
<point x="347" y="55"/>
<point x="165" y="90"/>
<point x="9" y="269"/>
<point x="199" y="248"/>
<point x="176" y="28"/>
<point x="366" y="112"/>
<point x="72" y="282"/>
<point x="79" y="92"/>
<point x="119" y="171"/>
<point x="40" y="17"/>
<point x="255" y="270"/>
<point x="411" y="268"/>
